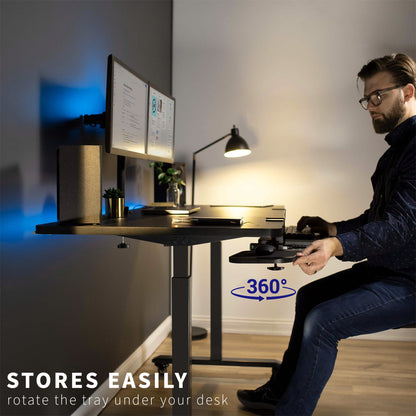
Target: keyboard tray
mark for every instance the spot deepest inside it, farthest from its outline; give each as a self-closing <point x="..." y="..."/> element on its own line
<point x="278" y="256"/>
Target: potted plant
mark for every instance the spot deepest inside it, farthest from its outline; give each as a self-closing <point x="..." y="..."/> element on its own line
<point x="114" y="203"/>
<point x="171" y="178"/>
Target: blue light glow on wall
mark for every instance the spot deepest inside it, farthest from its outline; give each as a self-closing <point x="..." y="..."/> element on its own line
<point x="60" y="103"/>
<point x="60" y="110"/>
<point x="16" y="226"/>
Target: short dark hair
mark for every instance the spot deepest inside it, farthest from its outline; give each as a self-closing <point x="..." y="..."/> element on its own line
<point x="401" y="67"/>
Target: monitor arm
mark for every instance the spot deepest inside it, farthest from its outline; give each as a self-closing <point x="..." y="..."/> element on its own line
<point x="94" y="120"/>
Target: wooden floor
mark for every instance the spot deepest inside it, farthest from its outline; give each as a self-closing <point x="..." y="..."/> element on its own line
<point x="371" y="378"/>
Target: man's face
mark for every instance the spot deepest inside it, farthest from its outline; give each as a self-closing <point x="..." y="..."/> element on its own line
<point x="391" y="111"/>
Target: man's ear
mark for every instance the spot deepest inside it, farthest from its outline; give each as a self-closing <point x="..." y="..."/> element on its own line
<point x="409" y="92"/>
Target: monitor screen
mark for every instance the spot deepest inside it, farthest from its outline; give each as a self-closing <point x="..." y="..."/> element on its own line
<point x="128" y="116"/>
<point x="126" y="110"/>
<point x="161" y="125"/>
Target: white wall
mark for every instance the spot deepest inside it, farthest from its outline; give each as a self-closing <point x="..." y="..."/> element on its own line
<point x="285" y="73"/>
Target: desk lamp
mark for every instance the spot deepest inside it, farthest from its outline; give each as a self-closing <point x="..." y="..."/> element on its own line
<point x="236" y="147"/>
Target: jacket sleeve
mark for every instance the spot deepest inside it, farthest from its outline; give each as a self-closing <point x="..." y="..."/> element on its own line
<point x="352" y="224"/>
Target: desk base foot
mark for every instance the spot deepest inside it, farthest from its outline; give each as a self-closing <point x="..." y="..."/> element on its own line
<point x="162" y="362"/>
<point x="198" y="333"/>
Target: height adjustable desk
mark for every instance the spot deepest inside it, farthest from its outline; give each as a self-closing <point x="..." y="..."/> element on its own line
<point x="162" y="229"/>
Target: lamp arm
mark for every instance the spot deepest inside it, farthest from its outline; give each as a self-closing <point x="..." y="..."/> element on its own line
<point x="214" y="142"/>
<point x="194" y="160"/>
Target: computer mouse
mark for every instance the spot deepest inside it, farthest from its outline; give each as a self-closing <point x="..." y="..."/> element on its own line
<point x="264" y="249"/>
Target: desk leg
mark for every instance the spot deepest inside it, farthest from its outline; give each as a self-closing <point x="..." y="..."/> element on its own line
<point x="181" y="324"/>
<point x="181" y="329"/>
<point x="216" y="302"/>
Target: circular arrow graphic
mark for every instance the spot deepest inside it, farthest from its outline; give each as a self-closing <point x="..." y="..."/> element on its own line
<point x="259" y="298"/>
<point x="265" y="288"/>
<point x="293" y="291"/>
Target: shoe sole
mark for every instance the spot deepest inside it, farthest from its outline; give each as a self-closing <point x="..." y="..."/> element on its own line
<point x="257" y="405"/>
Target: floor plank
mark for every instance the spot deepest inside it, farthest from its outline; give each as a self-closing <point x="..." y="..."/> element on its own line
<point x="371" y="378"/>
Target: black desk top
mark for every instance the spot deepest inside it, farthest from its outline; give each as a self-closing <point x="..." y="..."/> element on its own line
<point x="159" y="228"/>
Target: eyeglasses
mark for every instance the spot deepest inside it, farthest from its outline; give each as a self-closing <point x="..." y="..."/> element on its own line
<point x="375" y="97"/>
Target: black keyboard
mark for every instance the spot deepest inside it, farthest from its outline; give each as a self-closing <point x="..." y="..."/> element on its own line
<point x="299" y="239"/>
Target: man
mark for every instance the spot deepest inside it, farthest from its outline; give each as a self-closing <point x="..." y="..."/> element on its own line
<point x="374" y="295"/>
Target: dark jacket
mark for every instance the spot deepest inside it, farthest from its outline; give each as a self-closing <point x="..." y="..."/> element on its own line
<point x="385" y="234"/>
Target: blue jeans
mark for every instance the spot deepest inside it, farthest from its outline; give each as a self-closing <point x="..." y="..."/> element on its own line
<point x="360" y="300"/>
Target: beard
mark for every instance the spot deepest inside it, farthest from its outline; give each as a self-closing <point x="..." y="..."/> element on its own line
<point x="387" y="122"/>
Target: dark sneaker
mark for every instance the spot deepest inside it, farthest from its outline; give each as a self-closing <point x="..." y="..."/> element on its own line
<point x="261" y="398"/>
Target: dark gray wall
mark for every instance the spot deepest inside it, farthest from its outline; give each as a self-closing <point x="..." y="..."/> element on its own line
<point x="71" y="303"/>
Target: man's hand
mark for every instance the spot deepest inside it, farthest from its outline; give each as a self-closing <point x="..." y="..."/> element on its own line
<point x="315" y="257"/>
<point x="318" y="225"/>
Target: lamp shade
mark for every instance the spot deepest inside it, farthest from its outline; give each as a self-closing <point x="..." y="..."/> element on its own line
<point x="236" y="145"/>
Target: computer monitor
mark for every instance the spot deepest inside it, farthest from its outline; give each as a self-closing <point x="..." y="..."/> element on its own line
<point x="126" y="110"/>
<point x="128" y="116"/>
<point x="161" y="125"/>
